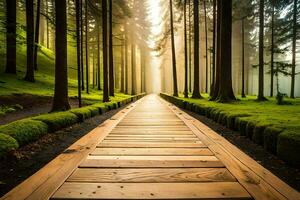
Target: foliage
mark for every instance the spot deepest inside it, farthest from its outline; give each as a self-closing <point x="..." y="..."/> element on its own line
<point x="7" y="144"/>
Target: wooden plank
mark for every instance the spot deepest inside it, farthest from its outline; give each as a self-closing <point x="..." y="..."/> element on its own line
<point x="257" y="180"/>
<point x="156" y="175"/>
<point x="116" y="135"/>
<point x="151" y="132"/>
<point x="153" y="128"/>
<point x="152" y="141"/>
<point x="46" y="181"/>
<point x="170" y="123"/>
<point x="152" y="138"/>
<point x="225" y="190"/>
<point x="151" y="161"/>
<point x="151" y="145"/>
<point x="153" y="151"/>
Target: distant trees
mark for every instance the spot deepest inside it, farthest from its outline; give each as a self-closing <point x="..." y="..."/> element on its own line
<point x="11" y="37"/>
<point x="60" y="100"/>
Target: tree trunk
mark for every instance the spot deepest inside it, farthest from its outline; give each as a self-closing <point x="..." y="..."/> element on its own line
<point x="133" y="67"/>
<point x="292" y="95"/>
<point x="196" y="92"/>
<point x="81" y="44"/>
<point x="30" y="40"/>
<point x="60" y="100"/>
<point x="261" y="96"/>
<point x="226" y="91"/>
<point x="111" y="51"/>
<point x="11" y="48"/>
<point x="122" y="66"/>
<point x="213" y="50"/>
<point x="175" y="87"/>
<point x="105" y="52"/>
<point x="93" y="73"/>
<point x="98" y="57"/>
<point x="206" y="47"/>
<point x="186" y="91"/>
<point x="78" y="42"/>
<point x="190" y="47"/>
<point x="87" y="70"/>
<point x="47" y="25"/>
<point x="126" y="61"/>
<point x="37" y="34"/>
<point x="272" y="50"/>
<point x="243" y="58"/>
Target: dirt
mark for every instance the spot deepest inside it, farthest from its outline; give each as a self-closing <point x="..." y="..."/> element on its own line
<point x="32" y="105"/>
<point x="288" y="174"/>
<point x="29" y="159"/>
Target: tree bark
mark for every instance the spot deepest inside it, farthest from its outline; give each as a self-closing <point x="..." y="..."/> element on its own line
<point x="122" y="65"/>
<point x="78" y="42"/>
<point x="292" y="95"/>
<point x="30" y="40"/>
<point x="60" y="100"/>
<point x="126" y="61"/>
<point x="133" y="68"/>
<point x="47" y="25"/>
<point x="190" y="47"/>
<point x="37" y="34"/>
<point x="186" y="91"/>
<point x="261" y="96"/>
<point x="105" y="52"/>
<point x="11" y="37"/>
<point x="111" y="51"/>
<point x="226" y="91"/>
<point x="98" y="57"/>
<point x="87" y="70"/>
<point x="196" y="92"/>
<point x="81" y="44"/>
<point x="175" y="87"/>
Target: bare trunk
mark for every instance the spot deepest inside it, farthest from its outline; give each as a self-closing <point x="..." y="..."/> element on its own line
<point x="243" y="58"/>
<point x="175" y="87"/>
<point x="105" y="52"/>
<point x="30" y="40"/>
<point x="87" y="70"/>
<point x="206" y="47"/>
<point x="37" y="34"/>
<point x="213" y="50"/>
<point x="111" y="51"/>
<point x="11" y="48"/>
<point x="294" y="50"/>
<point x="78" y="42"/>
<point x="186" y="91"/>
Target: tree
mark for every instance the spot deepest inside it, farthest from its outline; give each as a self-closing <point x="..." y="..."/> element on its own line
<point x="60" y="100"/>
<point x="111" y="51"/>
<point x="87" y="71"/>
<point x="133" y="67"/>
<point x="213" y="49"/>
<point x="11" y="37"/>
<point x="29" y="40"/>
<point x="98" y="56"/>
<point x="175" y="86"/>
<point x="243" y="58"/>
<point x="292" y="95"/>
<point x="261" y="96"/>
<point x="122" y="65"/>
<point x="78" y="43"/>
<point x="105" y="51"/>
<point x="196" y="91"/>
<point x="81" y="44"/>
<point x="190" y="46"/>
<point x="37" y="33"/>
<point x="206" y="47"/>
<point x="186" y="90"/>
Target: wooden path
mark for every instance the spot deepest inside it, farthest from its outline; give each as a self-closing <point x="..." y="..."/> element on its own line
<point x="153" y="150"/>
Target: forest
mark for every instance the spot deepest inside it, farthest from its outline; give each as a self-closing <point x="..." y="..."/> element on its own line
<point x="66" y="66"/>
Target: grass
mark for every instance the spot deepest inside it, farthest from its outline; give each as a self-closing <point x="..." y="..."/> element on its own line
<point x="276" y="127"/>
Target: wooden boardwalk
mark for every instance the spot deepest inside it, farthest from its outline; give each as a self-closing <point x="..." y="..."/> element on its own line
<point x="153" y="150"/>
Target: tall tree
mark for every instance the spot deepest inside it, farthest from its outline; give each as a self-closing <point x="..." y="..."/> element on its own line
<point x="196" y="91"/>
<point x="60" y="100"/>
<point x="87" y="70"/>
<point x="122" y="65"/>
<point x="105" y="51"/>
<point x="206" y="46"/>
<point x="126" y="61"/>
<point x="30" y="40"/>
<point x="292" y="95"/>
<point x="214" y="49"/>
<point x="186" y="90"/>
<point x="78" y="43"/>
<point x="272" y="47"/>
<point x="261" y="96"/>
<point x="37" y="33"/>
<point x="175" y="86"/>
<point x="81" y="44"/>
<point x="133" y="67"/>
<point x="190" y="46"/>
<point x="98" y="56"/>
<point x="11" y="66"/>
<point x="111" y="50"/>
<point x="243" y="58"/>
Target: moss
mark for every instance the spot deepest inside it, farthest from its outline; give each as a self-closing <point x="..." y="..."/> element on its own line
<point x="258" y="133"/>
<point x="7" y="144"/>
<point x="249" y="129"/>
<point x="25" y="131"/>
<point x="82" y="113"/>
<point x="271" y="139"/>
<point x="101" y="107"/>
<point x="288" y="146"/>
<point x="94" y="111"/>
<point x="57" y="121"/>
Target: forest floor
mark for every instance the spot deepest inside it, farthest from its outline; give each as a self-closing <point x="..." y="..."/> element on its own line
<point x="29" y="159"/>
<point x="289" y="174"/>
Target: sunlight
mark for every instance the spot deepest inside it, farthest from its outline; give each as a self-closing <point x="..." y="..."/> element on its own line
<point x="155" y="19"/>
